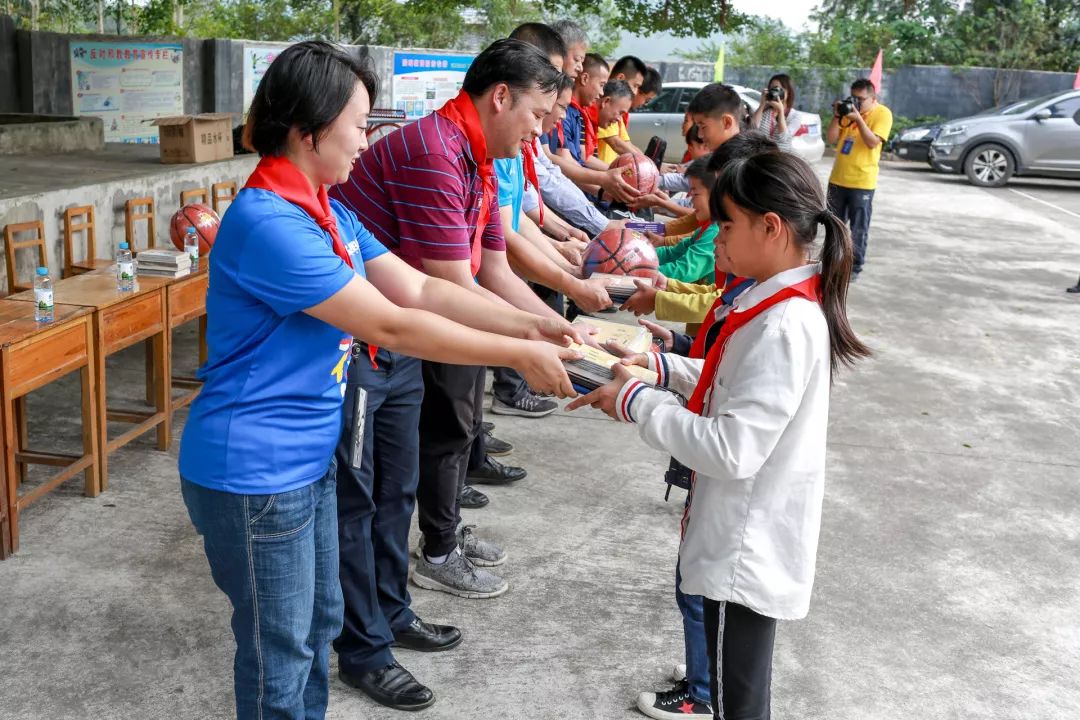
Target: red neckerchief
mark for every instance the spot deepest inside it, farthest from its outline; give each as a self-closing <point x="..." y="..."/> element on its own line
<point x="281" y="177"/>
<point x="809" y="289"/>
<point x="626" y="121"/>
<point x="528" y="160"/>
<point x="686" y="156"/>
<point x="697" y="350"/>
<point x="462" y="112"/>
<point x="589" y="124"/>
<point x="561" y="136"/>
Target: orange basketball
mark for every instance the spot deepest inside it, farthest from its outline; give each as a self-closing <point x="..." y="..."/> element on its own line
<point x="638" y="171"/>
<point x="203" y="219"/>
<point x="620" y="252"/>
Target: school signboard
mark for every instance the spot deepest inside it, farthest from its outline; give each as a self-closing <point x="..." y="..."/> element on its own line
<point x="127" y="85"/>
<point x="423" y="82"/>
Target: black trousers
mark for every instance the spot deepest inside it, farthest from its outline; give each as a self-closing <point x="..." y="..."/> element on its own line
<point x="740" y="644"/>
<point x="855" y="207"/>
<point x="450" y="422"/>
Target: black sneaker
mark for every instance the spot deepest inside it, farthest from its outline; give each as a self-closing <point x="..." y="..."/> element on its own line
<point x="493" y="472"/>
<point x="529" y="405"/>
<point x="673" y="704"/>
<point x="495" y="446"/>
<point x="488" y="427"/>
<point x="472" y="499"/>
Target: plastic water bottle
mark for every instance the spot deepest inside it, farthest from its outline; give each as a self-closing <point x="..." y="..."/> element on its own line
<point x="191" y="246"/>
<point x="43" y="296"/>
<point x="125" y="269"/>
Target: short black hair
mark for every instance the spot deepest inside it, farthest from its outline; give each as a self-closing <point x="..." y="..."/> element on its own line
<point x="629" y="65"/>
<point x="520" y="65"/>
<point x="593" y="61"/>
<point x="653" y="82"/>
<point x="306" y="87"/>
<point x="864" y="84"/>
<point x="700" y="171"/>
<point x="570" y="32"/>
<point x="542" y="36"/>
<point x="565" y="83"/>
<point x="745" y="144"/>
<point x="616" y="89"/>
<point x="717" y="99"/>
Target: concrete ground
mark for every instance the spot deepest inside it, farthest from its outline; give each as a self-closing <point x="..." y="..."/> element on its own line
<point x="949" y="569"/>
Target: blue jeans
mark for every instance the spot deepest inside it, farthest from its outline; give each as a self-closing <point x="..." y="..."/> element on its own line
<point x="375" y="507"/>
<point x="276" y="558"/>
<point x="855" y="207"/>
<point x="692" y="608"/>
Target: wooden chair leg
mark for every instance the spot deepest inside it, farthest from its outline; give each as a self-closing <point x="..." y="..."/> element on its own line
<point x="91" y="442"/>
<point x="148" y="347"/>
<point x="162" y="388"/>
<point x="101" y="408"/>
<point x="204" y="351"/>
<point x="7" y="408"/>
<point x="22" y="437"/>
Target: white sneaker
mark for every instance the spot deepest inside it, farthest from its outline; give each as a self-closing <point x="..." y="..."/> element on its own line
<point x="678" y="673"/>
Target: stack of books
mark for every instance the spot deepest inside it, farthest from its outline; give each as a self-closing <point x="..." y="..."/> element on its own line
<point x="599" y="333"/>
<point x="164" y="263"/>
<point x="594" y="369"/>
<point x="619" y="287"/>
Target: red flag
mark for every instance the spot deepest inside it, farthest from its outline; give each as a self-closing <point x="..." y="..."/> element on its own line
<point x="875" y="72"/>
<point x="1076" y="82"/>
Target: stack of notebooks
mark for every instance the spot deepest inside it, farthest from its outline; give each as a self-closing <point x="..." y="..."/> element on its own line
<point x="619" y="287"/>
<point x="164" y="263"/>
<point x="594" y="369"/>
<point x="634" y="338"/>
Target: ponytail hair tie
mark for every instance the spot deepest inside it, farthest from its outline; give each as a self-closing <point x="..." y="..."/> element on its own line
<point x="822" y="217"/>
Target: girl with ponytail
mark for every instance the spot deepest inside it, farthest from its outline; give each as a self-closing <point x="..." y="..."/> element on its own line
<point x="754" y="429"/>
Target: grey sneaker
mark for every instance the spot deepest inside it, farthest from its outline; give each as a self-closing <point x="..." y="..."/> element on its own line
<point x="481" y="553"/>
<point x="458" y="576"/>
<point x="530" y="405"/>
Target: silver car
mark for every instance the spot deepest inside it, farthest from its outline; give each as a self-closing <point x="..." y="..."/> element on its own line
<point x="1029" y="137"/>
<point x="663" y="116"/>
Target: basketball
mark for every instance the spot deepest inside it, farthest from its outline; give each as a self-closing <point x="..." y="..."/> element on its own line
<point x="620" y="252"/>
<point x="638" y="171"/>
<point x="203" y="219"/>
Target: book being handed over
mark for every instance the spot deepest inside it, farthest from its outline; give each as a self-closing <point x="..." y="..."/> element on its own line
<point x="599" y="332"/>
<point x="594" y="369"/>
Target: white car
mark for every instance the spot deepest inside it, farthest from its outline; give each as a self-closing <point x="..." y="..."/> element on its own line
<point x="663" y="116"/>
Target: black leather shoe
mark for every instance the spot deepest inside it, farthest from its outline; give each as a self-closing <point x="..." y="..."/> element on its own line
<point x="472" y="499"/>
<point x="488" y="427"/>
<point x="493" y="472"/>
<point x="426" y="637"/>
<point x="392" y="686"/>
<point x="495" y="446"/>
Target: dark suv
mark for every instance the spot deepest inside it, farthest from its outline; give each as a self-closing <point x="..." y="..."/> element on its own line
<point x="1029" y="137"/>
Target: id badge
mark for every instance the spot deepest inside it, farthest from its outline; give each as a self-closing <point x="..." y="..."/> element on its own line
<point x="848" y="144"/>
<point x="359" y="419"/>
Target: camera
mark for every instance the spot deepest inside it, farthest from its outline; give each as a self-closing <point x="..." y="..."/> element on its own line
<point x="775" y="93"/>
<point x="848" y="105"/>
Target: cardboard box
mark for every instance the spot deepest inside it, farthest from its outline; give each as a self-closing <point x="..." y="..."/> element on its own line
<point x="195" y="138"/>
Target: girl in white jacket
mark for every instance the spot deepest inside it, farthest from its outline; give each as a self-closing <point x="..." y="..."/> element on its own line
<point x="753" y="430"/>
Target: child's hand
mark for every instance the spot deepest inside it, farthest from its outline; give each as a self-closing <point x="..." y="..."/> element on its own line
<point x="659" y="331"/>
<point x="659" y="281"/>
<point x="603" y="397"/>
<point x="639" y="359"/>
<point x="642" y="302"/>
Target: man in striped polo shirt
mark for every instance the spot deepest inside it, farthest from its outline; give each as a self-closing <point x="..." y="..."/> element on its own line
<point x="429" y="193"/>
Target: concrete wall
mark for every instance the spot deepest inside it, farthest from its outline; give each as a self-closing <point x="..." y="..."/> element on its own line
<point x="909" y="91"/>
<point x="108" y="199"/>
<point x="9" y="85"/>
<point x="49" y="134"/>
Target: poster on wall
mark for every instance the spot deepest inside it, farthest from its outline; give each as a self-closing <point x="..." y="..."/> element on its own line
<point x="423" y="82"/>
<point x="257" y="59"/>
<point x="126" y="85"/>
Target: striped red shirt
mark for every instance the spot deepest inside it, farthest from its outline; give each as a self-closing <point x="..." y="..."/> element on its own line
<point x="418" y="192"/>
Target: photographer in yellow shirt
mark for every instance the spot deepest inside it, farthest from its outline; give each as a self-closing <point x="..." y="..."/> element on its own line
<point x="859" y="128"/>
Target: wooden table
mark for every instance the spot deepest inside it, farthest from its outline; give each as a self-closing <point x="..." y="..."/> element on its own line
<point x="120" y="320"/>
<point x="32" y="355"/>
<point x="186" y="298"/>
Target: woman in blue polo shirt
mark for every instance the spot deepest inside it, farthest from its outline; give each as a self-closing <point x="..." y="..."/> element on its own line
<point x="293" y="278"/>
